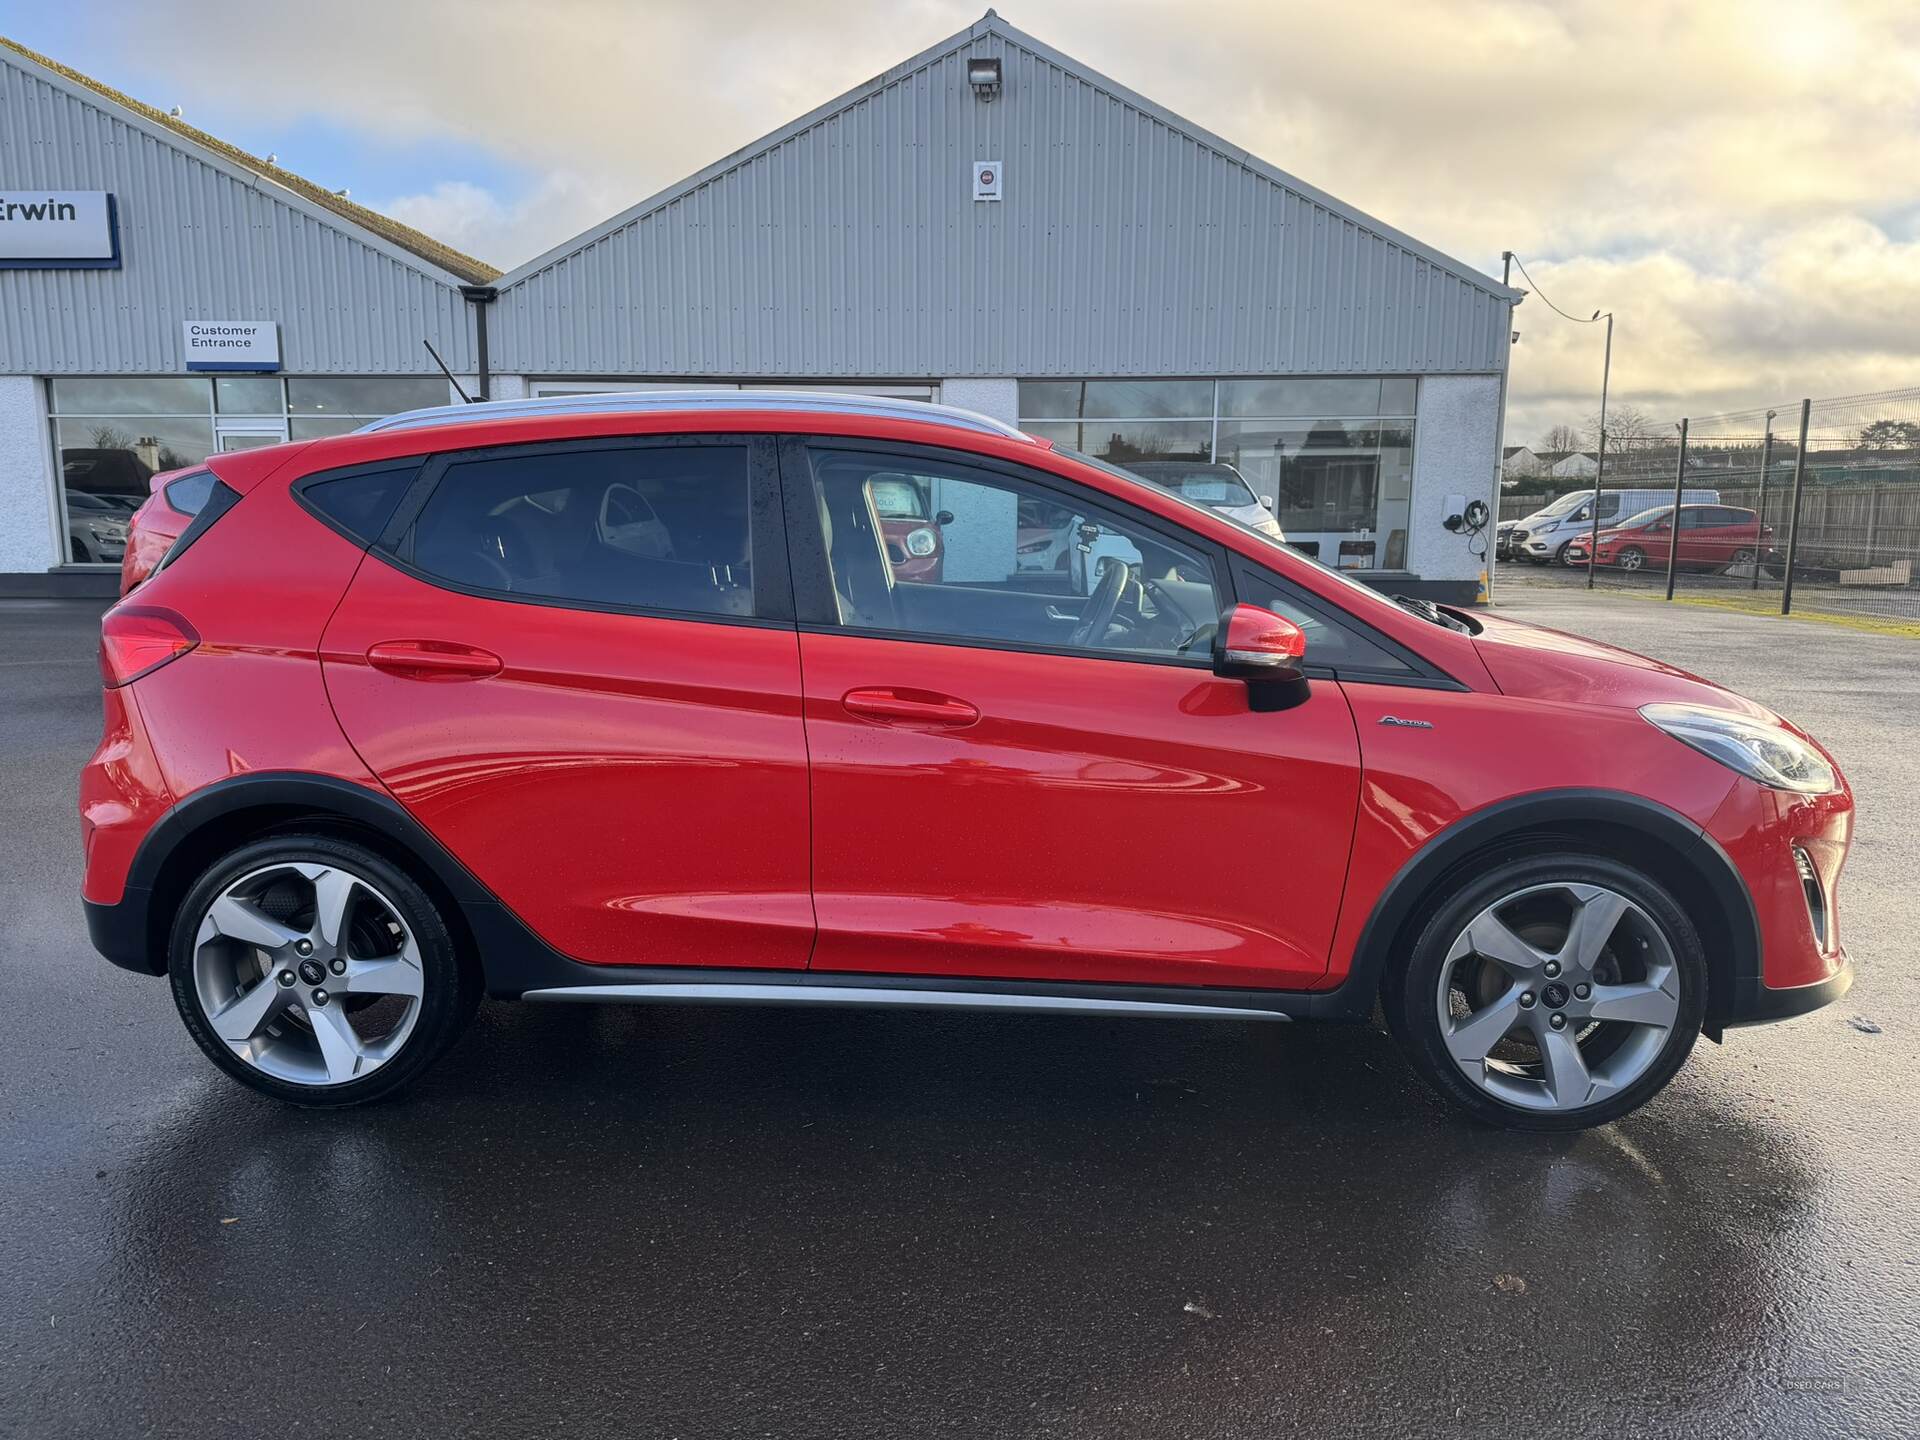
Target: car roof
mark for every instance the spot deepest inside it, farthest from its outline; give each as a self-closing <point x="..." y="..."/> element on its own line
<point x="657" y="402"/>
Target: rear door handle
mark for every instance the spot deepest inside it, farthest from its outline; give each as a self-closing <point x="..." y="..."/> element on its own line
<point x="432" y="660"/>
<point x="909" y="707"/>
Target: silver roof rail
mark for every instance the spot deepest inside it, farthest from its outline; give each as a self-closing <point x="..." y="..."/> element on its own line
<point x="647" y="402"/>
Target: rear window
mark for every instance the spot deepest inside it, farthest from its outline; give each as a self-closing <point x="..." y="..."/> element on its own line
<point x="656" y="527"/>
<point x="360" y="502"/>
<point x="218" y="500"/>
<point x="189" y="492"/>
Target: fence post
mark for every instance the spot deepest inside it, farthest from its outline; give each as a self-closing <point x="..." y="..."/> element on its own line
<point x="1600" y="466"/>
<point x="1760" y="506"/>
<point x="1873" y="525"/>
<point x="1793" y="516"/>
<point x="1679" y="486"/>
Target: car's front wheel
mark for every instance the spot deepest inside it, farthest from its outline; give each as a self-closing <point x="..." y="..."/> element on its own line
<point x="316" y="971"/>
<point x="1551" y="992"/>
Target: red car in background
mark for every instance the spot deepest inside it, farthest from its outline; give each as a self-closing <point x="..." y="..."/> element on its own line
<point x="910" y="530"/>
<point x="174" y="497"/>
<point x="632" y="704"/>
<point x="1712" y="537"/>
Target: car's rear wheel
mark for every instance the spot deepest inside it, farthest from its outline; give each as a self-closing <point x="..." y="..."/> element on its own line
<point x="1740" y="559"/>
<point x="316" y="971"/>
<point x="1631" y="558"/>
<point x="1551" y="992"/>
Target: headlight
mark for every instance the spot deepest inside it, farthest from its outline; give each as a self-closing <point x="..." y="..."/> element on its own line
<point x="1035" y="547"/>
<point x="107" y="529"/>
<point x="921" y="542"/>
<point x="1772" y="755"/>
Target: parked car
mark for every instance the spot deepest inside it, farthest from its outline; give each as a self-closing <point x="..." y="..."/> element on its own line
<point x="175" y="498"/>
<point x="1217" y="485"/>
<point x="97" y="526"/>
<point x="1543" y="536"/>
<point x="396" y="724"/>
<point x="911" y="532"/>
<point x="1711" y="537"/>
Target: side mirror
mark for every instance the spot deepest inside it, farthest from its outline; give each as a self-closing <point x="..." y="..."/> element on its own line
<point x="1266" y="502"/>
<point x="944" y="518"/>
<point x="1264" y="650"/>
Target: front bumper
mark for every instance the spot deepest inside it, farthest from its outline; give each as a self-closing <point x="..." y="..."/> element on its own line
<point x="1757" y="1003"/>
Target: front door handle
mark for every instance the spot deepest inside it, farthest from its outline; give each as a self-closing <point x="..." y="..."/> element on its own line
<point x="909" y="707"/>
<point x="432" y="660"/>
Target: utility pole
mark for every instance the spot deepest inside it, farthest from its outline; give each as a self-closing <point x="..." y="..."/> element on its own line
<point x="1600" y="469"/>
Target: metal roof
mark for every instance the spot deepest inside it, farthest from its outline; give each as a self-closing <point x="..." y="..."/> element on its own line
<point x="655" y="402"/>
<point x="405" y="236"/>
<point x="1127" y="241"/>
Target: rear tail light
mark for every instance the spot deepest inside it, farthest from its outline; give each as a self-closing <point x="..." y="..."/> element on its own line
<point x="137" y="639"/>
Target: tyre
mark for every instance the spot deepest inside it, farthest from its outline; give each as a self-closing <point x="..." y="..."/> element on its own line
<point x="315" y="971"/>
<point x="1550" y="992"/>
<point x="1560" y="555"/>
<point x="1631" y="558"/>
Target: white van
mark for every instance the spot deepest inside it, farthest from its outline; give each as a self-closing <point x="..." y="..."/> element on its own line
<point x="1543" y="536"/>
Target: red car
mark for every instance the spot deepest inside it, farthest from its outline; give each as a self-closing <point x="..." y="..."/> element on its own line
<point x="174" y="497"/>
<point x="1712" y="537"/>
<point x="403" y="720"/>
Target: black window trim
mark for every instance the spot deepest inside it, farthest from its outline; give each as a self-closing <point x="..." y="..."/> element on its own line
<point x="772" y="582"/>
<point x="1421" y="674"/>
<point x="220" y="499"/>
<point x="812" y="579"/>
<point x="299" y="488"/>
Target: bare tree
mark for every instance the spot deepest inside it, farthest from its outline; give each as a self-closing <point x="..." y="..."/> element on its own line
<point x="1626" y="424"/>
<point x="1561" y="437"/>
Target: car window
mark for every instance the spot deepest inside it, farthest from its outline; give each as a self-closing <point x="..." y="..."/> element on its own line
<point x="1006" y="560"/>
<point x="1340" y="647"/>
<point x="360" y="504"/>
<point x="1694" y="519"/>
<point x="651" y="527"/>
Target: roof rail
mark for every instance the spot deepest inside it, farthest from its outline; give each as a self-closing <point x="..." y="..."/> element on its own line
<point x="648" y="402"/>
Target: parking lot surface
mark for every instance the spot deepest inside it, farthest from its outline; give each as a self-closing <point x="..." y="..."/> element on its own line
<point x="714" y="1222"/>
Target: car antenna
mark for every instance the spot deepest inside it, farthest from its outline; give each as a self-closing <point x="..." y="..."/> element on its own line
<point x="446" y="372"/>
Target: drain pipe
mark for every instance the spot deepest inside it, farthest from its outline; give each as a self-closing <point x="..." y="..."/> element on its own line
<point x="480" y="297"/>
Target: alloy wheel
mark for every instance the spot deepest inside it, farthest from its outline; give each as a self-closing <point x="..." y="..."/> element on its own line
<point x="1631" y="559"/>
<point x="1558" y="996"/>
<point x="308" y="973"/>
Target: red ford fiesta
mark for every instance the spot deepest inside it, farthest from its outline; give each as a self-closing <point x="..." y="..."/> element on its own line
<point x="632" y="698"/>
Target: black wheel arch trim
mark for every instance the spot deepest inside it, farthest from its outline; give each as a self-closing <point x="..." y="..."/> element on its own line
<point x="1734" y="969"/>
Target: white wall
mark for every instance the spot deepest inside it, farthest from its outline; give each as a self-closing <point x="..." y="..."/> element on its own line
<point x="28" y="517"/>
<point x="1455" y="451"/>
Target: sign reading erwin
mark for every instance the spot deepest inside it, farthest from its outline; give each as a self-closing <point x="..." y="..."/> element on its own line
<point x="232" y="344"/>
<point x="58" y="230"/>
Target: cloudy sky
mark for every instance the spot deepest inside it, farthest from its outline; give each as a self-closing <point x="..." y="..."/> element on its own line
<point x="1739" y="180"/>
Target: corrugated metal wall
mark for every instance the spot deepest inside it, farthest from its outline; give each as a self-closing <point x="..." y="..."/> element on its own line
<point x="1124" y="246"/>
<point x="198" y="243"/>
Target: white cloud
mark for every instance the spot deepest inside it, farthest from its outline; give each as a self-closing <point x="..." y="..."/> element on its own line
<point x="1724" y="174"/>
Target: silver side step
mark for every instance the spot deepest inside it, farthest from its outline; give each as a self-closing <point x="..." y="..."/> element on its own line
<point x="888" y="998"/>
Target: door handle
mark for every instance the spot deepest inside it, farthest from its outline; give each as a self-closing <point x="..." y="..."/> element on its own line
<point x="909" y="707"/>
<point x="432" y="660"/>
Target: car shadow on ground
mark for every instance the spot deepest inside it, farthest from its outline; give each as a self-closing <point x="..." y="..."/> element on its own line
<point x="1039" y="1224"/>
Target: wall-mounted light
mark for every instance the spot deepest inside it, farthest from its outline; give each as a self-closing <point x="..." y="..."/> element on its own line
<point x="983" y="73"/>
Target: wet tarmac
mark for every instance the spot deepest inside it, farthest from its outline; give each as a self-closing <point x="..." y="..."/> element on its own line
<point x="710" y="1222"/>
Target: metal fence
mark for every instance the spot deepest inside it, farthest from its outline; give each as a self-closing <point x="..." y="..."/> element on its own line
<point x="1812" y="506"/>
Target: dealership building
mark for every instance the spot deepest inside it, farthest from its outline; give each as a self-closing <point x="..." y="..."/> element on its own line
<point x="989" y="223"/>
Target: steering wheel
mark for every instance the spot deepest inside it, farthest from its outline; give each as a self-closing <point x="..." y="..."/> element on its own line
<point x="1091" y="632"/>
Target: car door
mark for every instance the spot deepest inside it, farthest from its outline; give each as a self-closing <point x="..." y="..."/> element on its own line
<point x="576" y="665"/>
<point x="1005" y="786"/>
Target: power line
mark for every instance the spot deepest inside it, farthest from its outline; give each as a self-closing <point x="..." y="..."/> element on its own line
<point x="1593" y="319"/>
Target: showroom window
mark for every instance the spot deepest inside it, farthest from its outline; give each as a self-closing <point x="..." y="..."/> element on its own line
<point x="1331" y="455"/>
<point x="114" y="435"/>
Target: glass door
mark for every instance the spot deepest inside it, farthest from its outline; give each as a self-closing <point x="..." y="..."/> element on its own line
<point x="250" y="435"/>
